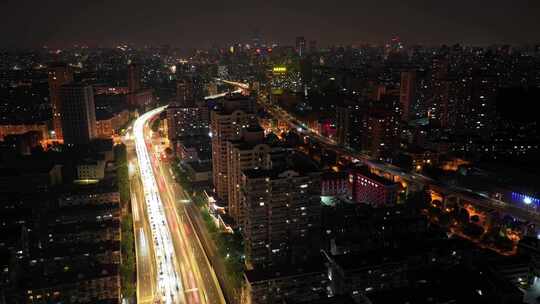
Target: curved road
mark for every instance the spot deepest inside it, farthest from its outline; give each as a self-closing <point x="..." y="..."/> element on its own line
<point x="183" y="274"/>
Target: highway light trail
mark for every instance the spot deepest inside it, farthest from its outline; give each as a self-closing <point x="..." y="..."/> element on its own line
<point x="169" y="286"/>
<point x="222" y="94"/>
<point x="234" y="83"/>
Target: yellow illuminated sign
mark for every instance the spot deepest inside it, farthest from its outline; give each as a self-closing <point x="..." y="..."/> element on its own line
<point x="279" y="69"/>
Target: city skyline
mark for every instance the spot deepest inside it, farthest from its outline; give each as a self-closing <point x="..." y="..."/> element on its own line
<point x="201" y="24"/>
<point x="269" y="153"/>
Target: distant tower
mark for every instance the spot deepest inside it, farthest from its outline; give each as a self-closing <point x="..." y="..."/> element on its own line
<point x="256" y="38"/>
<point x="439" y="107"/>
<point x="313" y="46"/>
<point x="134" y="78"/>
<point x="407" y="93"/>
<point x="300" y="46"/>
<point x="78" y="113"/>
<point x="58" y="74"/>
<point x="185" y="92"/>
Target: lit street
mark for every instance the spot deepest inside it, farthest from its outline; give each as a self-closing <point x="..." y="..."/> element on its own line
<point x="183" y="273"/>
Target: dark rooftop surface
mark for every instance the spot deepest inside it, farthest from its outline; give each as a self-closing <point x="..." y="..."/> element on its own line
<point x="194" y="141"/>
<point x="366" y="173"/>
<point x="85" y="227"/>
<point x="199" y="166"/>
<point x="334" y="175"/>
<point x="260" y="275"/>
<point x="102" y="114"/>
<point x="247" y="145"/>
<point x="350" y="262"/>
<point x="457" y="285"/>
<point x="76" y="249"/>
<point x="86" y="210"/>
<point x="294" y="161"/>
<point x="26" y="165"/>
<point x="338" y="299"/>
<point x="38" y="277"/>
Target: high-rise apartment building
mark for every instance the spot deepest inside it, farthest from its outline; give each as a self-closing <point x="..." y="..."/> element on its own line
<point x="440" y="100"/>
<point x="301" y="46"/>
<point x="185" y="92"/>
<point x="78" y="113"/>
<point x="134" y="78"/>
<point x="58" y="75"/>
<point x="313" y="46"/>
<point x="282" y="211"/>
<point x="185" y="115"/>
<point x="380" y="136"/>
<point x="249" y="152"/>
<point x="231" y="115"/>
<point x="185" y="121"/>
<point x="407" y="94"/>
<point x="481" y="110"/>
<point x="350" y="121"/>
<point x="372" y="127"/>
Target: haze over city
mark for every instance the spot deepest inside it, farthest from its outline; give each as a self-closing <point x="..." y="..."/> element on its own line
<point x="201" y="23"/>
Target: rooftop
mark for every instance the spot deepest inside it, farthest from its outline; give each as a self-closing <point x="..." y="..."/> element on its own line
<point x="200" y="166"/>
<point x="261" y="275"/>
<point x="364" y="171"/>
<point x="294" y="161"/>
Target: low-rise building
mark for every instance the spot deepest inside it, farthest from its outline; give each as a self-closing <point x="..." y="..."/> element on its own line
<point x="91" y="169"/>
<point x="108" y="123"/>
<point x="13" y="129"/>
<point x="422" y="157"/>
<point x="199" y="171"/>
<point x="193" y="148"/>
<point x="530" y="246"/>
<point x="288" y="284"/>
<point x="31" y="176"/>
<point x="368" y="188"/>
<point x="354" y="274"/>
<point x="460" y="284"/>
<point x="389" y="268"/>
<point x="24" y="143"/>
<point x="334" y="184"/>
<point x="75" y="283"/>
<point x="92" y="196"/>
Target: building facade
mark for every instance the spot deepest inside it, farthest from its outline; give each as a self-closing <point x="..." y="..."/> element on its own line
<point x="59" y="74"/>
<point x="227" y="120"/>
<point x="78" y="113"/>
<point x="282" y="212"/>
<point x="407" y="94"/>
<point x="368" y="188"/>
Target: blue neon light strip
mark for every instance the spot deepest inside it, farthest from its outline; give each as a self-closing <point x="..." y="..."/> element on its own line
<point x="525" y="199"/>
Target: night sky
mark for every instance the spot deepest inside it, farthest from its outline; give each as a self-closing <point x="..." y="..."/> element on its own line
<point x="201" y="23"/>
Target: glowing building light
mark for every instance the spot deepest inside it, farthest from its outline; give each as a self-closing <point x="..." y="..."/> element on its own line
<point x="526" y="199"/>
<point x="279" y="69"/>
